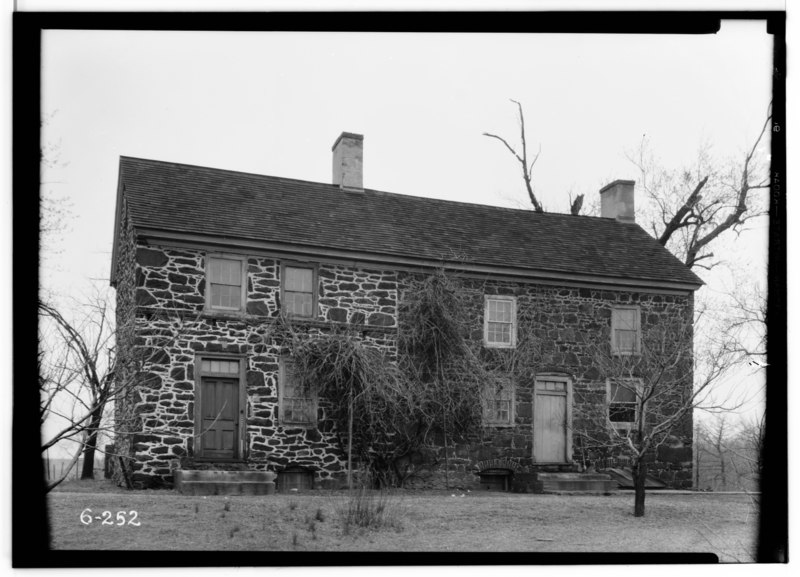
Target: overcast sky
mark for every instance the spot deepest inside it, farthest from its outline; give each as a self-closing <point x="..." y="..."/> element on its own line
<point x="273" y="103"/>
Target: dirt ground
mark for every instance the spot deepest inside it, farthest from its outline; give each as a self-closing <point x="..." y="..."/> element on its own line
<point x="722" y="524"/>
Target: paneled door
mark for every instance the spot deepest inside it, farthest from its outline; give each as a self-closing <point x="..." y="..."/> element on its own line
<point x="550" y="422"/>
<point x="219" y="405"/>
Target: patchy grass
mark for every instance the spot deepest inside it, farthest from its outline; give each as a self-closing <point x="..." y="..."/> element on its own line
<point x="364" y="509"/>
<point x="98" y="485"/>
<point x="430" y="521"/>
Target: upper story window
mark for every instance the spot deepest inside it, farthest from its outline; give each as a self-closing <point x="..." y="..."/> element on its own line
<point x="225" y="286"/>
<point x="623" y="402"/>
<point x="625" y="332"/>
<point x="299" y="296"/>
<point x="500" y="321"/>
<point x="297" y="401"/>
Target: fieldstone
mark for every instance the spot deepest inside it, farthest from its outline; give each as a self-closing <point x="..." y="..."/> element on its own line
<point x="255" y="379"/>
<point x="153" y="283"/>
<point x="151" y="381"/>
<point x="144" y="298"/>
<point x="258" y="308"/>
<point x="381" y="320"/>
<point x="337" y="315"/>
<point x="151" y="257"/>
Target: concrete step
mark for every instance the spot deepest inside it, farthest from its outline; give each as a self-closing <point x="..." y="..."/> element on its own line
<point x="577" y="482"/>
<point x="189" y="482"/>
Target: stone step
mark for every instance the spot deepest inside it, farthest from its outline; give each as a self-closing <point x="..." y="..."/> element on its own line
<point x="226" y="476"/>
<point x="577" y="482"/>
<point x="192" y="482"/>
<point x="569" y="476"/>
<point x="226" y="488"/>
<point x="624" y="479"/>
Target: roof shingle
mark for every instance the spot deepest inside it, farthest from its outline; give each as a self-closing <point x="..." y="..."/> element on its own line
<point x="191" y="199"/>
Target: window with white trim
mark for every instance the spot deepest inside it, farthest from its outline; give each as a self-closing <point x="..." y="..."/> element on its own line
<point x="623" y="402"/>
<point x="625" y="334"/>
<point x="297" y="400"/>
<point x="298" y="290"/>
<point x="498" y="403"/>
<point x="225" y="288"/>
<point x="500" y="321"/>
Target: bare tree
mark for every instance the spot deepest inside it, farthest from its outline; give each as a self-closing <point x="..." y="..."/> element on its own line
<point x="55" y="211"/>
<point x="750" y="447"/>
<point x="747" y="320"/>
<point x="76" y="378"/>
<point x="522" y="158"/>
<point x="82" y="378"/>
<point x="715" y="439"/>
<point x="649" y="397"/>
<point x="696" y="204"/>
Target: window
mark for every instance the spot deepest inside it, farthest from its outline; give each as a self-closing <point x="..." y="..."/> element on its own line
<point x="298" y="290"/>
<point x="625" y="330"/>
<point x="500" y="322"/>
<point x="226" y="285"/>
<point x="298" y="405"/>
<point x="498" y="403"/>
<point x="623" y="403"/>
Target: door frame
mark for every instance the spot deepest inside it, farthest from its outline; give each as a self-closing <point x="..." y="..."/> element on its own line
<point x="560" y="377"/>
<point x="240" y="453"/>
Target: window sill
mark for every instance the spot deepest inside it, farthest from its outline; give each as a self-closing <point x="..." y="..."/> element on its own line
<point x="223" y="314"/>
<point x="499" y="345"/>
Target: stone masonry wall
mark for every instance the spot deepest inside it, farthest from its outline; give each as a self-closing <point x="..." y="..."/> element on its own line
<point x="172" y="328"/>
<point x="125" y="421"/>
<point x="567" y="322"/>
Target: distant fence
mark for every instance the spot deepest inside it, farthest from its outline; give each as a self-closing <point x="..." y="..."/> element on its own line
<point x="54" y="469"/>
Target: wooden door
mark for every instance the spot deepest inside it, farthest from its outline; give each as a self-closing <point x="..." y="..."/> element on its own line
<point x="219" y="407"/>
<point x="550" y="422"/>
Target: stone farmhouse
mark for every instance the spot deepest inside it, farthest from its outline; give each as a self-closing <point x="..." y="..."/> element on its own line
<point x="211" y="256"/>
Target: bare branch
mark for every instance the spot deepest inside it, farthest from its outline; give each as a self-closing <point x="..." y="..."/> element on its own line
<point x="527" y="169"/>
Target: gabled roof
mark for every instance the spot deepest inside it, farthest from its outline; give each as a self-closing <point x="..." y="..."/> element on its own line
<point x="180" y="198"/>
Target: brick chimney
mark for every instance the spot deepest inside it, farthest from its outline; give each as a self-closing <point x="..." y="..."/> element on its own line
<point x="348" y="161"/>
<point x="616" y="201"/>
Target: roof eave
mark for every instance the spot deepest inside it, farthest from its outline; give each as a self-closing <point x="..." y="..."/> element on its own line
<point x="117" y="220"/>
<point x="377" y="258"/>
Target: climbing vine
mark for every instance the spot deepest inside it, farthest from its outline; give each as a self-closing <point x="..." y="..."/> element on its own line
<point x="386" y="408"/>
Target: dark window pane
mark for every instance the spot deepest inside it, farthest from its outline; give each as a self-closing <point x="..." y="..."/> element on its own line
<point x="622" y="413"/>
